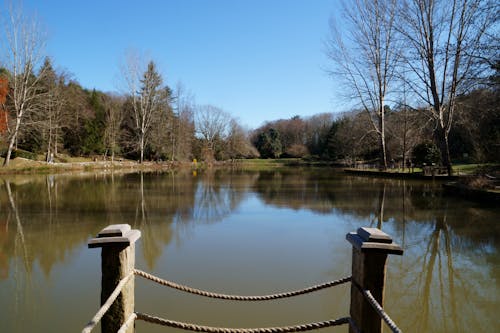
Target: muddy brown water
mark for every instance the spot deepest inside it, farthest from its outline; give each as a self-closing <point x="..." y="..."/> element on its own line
<point x="245" y="233"/>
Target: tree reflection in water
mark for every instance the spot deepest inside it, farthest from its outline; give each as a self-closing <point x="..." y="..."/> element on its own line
<point x="183" y="199"/>
<point x="214" y="198"/>
<point x="23" y="280"/>
<point x="446" y="281"/>
<point x="431" y="290"/>
<point x="443" y="294"/>
<point x="437" y="256"/>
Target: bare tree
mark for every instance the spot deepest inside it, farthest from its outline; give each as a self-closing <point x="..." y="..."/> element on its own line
<point x="148" y="96"/>
<point x="293" y="133"/>
<point x="162" y="134"/>
<point x="4" y="90"/>
<point x="23" y="43"/>
<point x="238" y="142"/>
<point x="114" y="118"/>
<point x="445" y="39"/>
<point x="212" y="124"/>
<point x="353" y="137"/>
<point x="49" y="115"/>
<point x="366" y="58"/>
<point x="317" y="128"/>
<point x="183" y="123"/>
<point x="406" y="127"/>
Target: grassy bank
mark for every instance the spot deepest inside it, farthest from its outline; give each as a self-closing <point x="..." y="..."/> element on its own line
<point x="281" y="163"/>
<point x="458" y="169"/>
<point x="23" y="165"/>
<point x="66" y="163"/>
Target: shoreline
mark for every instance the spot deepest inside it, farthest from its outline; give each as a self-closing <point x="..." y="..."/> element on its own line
<point x="455" y="188"/>
<point x="399" y="175"/>
<point x="452" y="186"/>
<point x="21" y="165"/>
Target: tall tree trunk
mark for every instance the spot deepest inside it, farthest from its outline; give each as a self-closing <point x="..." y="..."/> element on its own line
<point x="9" y="151"/>
<point x="55" y="142"/>
<point x="12" y="142"/>
<point x="49" y="144"/>
<point x="441" y="139"/>
<point x="142" y="149"/>
<point x="405" y="133"/>
<point x="383" y="152"/>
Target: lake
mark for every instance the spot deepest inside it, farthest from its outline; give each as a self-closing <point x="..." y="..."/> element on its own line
<point x="245" y="233"/>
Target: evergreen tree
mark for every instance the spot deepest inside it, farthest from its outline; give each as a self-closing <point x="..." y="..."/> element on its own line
<point x="149" y="98"/>
<point x="93" y="138"/>
<point x="269" y="144"/>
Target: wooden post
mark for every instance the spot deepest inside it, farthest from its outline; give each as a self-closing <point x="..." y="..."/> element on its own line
<point x="370" y="247"/>
<point x="118" y="260"/>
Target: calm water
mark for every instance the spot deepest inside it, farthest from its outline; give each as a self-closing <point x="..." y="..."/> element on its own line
<point x="244" y="233"/>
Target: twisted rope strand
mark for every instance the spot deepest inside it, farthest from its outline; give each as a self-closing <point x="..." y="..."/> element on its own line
<point x="209" y="329"/>
<point x="238" y="297"/>
<point x="126" y="324"/>
<point x="105" y="307"/>
<point x="373" y="302"/>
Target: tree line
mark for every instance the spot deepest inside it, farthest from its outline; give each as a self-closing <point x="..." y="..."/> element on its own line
<point x="429" y="55"/>
<point x="46" y="111"/>
<point x="348" y="138"/>
<point x="423" y="74"/>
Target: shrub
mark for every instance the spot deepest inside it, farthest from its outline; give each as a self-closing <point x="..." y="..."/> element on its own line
<point x="297" y="150"/>
<point x="19" y="153"/>
<point x="426" y="153"/>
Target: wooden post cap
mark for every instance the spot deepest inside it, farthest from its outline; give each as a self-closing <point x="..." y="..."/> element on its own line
<point x="115" y="234"/>
<point x="373" y="240"/>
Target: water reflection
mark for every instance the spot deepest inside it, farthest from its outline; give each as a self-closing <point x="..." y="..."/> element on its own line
<point x="75" y="208"/>
<point x="153" y="202"/>
<point x="19" y="239"/>
<point x="450" y="270"/>
<point x="450" y="245"/>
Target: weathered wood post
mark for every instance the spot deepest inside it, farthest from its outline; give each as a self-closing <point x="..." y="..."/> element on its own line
<point x="117" y="262"/>
<point x="370" y="247"/>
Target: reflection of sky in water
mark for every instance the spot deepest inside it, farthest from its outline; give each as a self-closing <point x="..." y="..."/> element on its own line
<point x="246" y="233"/>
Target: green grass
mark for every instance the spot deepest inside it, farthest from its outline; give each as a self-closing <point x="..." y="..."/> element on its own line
<point x="470" y="169"/>
<point x="398" y="170"/>
<point x="261" y="164"/>
<point x="458" y="169"/>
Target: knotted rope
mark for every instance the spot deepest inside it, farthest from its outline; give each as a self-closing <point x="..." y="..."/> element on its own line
<point x="239" y="297"/>
<point x="209" y="329"/>
<point x="105" y="307"/>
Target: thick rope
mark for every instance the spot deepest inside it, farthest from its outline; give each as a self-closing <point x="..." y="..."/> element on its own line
<point x="209" y="329"/>
<point x="373" y="302"/>
<point x="126" y="324"/>
<point x="238" y="297"/>
<point x="105" y="307"/>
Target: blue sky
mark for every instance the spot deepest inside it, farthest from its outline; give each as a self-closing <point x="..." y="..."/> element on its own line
<point x="256" y="59"/>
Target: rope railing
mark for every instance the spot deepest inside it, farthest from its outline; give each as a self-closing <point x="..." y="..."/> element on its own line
<point x="127" y="323"/>
<point x="370" y="249"/>
<point x="105" y="307"/>
<point x="209" y="329"/>
<point x="240" y="297"/>
<point x="199" y="328"/>
<point x="380" y="311"/>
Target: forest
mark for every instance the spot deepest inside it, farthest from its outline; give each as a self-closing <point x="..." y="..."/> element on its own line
<point x="424" y="78"/>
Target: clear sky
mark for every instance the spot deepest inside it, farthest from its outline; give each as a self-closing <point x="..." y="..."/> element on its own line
<point x="256" y="59"/>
